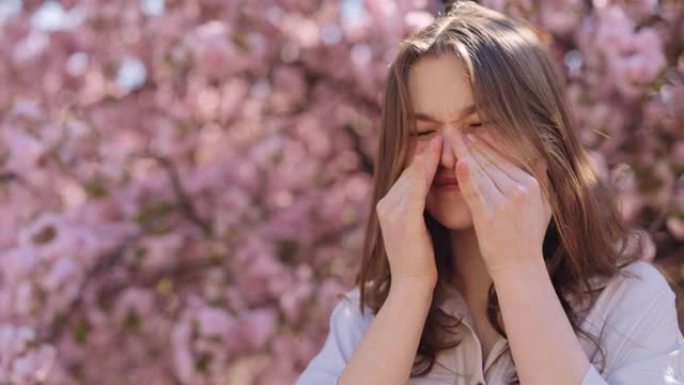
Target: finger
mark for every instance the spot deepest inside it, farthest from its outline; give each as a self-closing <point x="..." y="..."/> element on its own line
<point x="503" y="182"/>
<point x="470" y="191"/>
<point x="484" y="151"/>
<point x="470" y="177"/>
<point x="432" y="157"/>
<point x="485" y="184"/>
<point x="425" y="162"/>
<point x="507" y="166"/>
<point x="485" y="178"/>
<point x="539" y="166"/>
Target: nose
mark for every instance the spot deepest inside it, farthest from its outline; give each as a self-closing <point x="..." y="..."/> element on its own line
<point x="447" y="158"/>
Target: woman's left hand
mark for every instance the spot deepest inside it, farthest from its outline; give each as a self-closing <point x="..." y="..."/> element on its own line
<point x="509" y="210"/>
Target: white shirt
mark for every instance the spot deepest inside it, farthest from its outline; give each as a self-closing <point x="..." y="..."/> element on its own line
<point x="634" y="317"/>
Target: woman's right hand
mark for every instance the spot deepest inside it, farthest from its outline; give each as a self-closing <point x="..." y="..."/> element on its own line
<point x="407" y="241"/>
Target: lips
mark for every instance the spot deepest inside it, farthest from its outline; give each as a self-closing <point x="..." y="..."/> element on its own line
<point x="444" y="181"/>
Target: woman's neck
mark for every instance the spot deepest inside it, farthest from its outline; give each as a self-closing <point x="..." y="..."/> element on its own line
<point x="469" y="273"/>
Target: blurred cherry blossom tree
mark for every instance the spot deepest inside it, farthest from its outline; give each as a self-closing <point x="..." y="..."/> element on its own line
<point x="185" y="183"/>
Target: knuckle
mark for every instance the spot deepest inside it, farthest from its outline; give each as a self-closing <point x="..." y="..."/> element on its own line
<point x="517" y="192"/>
<point x="510" y="189"/>
<point x="531" y="181"/>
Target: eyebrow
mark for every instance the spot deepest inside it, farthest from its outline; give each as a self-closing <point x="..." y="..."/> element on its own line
<point x="464" y="113"/>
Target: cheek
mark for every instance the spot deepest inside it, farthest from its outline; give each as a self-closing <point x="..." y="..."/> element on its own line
<point x="415" y="146"/>
<point x="420" y="144"/>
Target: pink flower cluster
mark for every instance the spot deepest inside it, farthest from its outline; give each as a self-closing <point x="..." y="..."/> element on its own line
<point x="185" y="184"/>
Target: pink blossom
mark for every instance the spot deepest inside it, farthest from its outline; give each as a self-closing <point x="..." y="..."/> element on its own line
<point x="216" y="56"/>
<point x="257" y="327"/>
<point x="213" y="322"/>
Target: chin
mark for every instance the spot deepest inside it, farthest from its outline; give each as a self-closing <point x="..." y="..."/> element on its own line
<point x="451" y="212"/>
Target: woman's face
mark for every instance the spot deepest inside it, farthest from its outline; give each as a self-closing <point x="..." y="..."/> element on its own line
<point x="442" y="100"/>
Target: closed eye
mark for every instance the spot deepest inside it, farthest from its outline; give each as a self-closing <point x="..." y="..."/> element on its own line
<point x="478" y="127"/>
<point x="426" y="133"/>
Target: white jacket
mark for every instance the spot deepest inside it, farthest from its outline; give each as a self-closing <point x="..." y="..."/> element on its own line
<point x="635" y="318"/>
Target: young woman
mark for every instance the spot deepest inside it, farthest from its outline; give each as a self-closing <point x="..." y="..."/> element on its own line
<point x="495" y="254"/>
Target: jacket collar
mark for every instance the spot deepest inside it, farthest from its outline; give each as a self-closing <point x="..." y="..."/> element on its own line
<point x="452" y="302"/>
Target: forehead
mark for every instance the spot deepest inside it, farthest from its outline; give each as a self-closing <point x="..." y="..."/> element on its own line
<point x="439" y="86"/>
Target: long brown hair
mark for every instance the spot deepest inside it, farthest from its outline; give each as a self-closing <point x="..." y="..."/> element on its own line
<point x="516" y="85"/>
